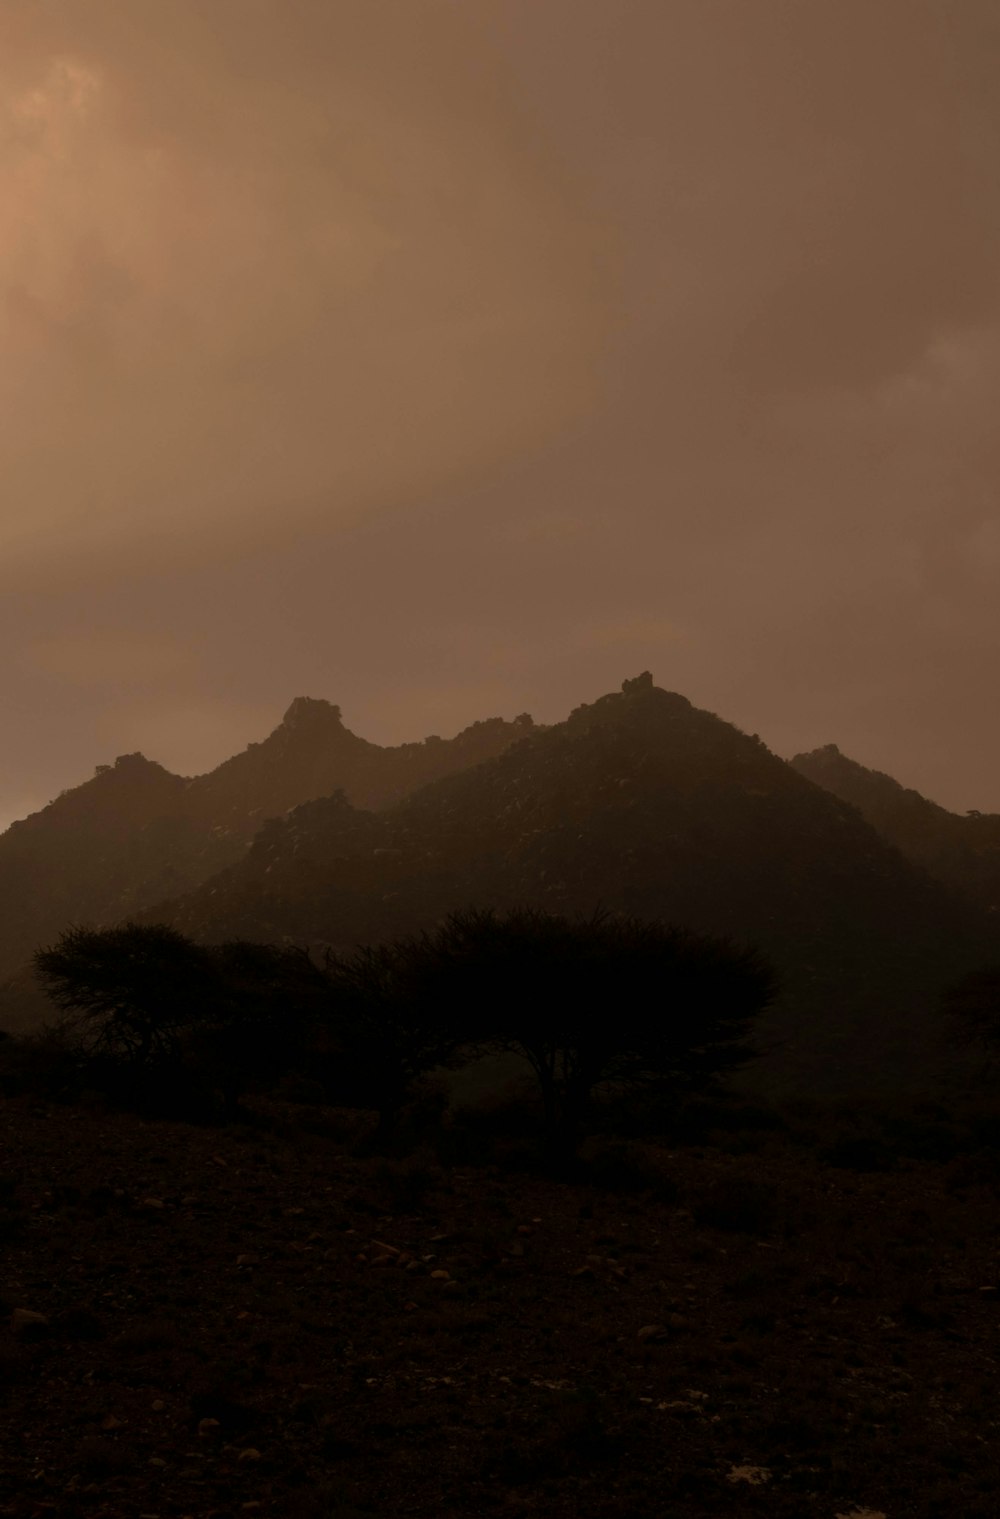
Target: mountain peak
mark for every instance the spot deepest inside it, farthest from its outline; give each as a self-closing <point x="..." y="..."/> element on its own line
<point x="310" y="711"/>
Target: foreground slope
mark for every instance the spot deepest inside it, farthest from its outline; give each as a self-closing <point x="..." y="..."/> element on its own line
<point x="962" y="851"/>
<point x="638" y="803"/>
<point x="135" y="834"/>
<point x="579" y="1353"/>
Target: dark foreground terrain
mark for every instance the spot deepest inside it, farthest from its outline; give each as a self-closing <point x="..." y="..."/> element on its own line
<point x="257" y="1321"/>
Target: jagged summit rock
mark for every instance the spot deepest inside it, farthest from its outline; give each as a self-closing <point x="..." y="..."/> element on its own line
<point x="640" y="683"/>
<point x="311" y="711"/>
<point x="136" y="762"/>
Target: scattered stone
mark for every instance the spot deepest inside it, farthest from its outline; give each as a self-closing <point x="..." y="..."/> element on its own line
<point x="440" y="1276"/>
<point x="416" y="1267"/>
<point x="158" y="1405"/>
<point x="248" y="1259"/>
<point x="208" y="1427"/>
<point x="652" y="1334"/>
<point x="157" y="1461"/>
<point x="755" y="1476"/>
<point x="27" y="1324"/>
<point x="152" y="1202"/>
<point x="249" y="1453"/>
<point x="111" y="1422"/>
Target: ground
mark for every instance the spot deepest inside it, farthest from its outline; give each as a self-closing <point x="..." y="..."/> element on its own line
<point x="254" y="1321"/>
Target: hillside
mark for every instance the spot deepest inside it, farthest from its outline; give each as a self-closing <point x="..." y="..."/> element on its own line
<point x="641" y="803"/>
<point x="255" y="1321"/>
<point x="962" y="851"/>
<point x="134" y="834"/>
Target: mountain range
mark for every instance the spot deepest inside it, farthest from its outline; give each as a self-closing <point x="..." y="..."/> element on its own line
<point x="134" y="834"/>
<point x="637" y="803"/>
<point x="962" y="851"/>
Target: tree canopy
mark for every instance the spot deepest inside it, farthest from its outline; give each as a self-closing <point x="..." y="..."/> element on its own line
<point x="596" y="1004"/>
<point x="127" y="992"/>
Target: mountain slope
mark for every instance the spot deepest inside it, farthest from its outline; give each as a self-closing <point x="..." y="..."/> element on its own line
<point x="962" y="851"/>
<point x="639" y="803"/>
<point x="135" y="834"/>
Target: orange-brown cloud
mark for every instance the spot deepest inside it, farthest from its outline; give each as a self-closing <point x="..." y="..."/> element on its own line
<point x="262" y="266"/>
<point x="438" y="357"/>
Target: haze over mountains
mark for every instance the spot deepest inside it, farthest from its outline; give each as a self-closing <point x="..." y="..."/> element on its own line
<point x="963" y="851"/>
<point x="637" y="803"/>
<point x="135" y="834"/>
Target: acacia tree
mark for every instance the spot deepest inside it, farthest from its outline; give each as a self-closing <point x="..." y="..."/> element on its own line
<point x="385" y="1028"/>
<point x="265" y="1001"/>
<point x="127" y="994"/>
<point x="604" y="1004"/>
<point x="141" y="1001"/>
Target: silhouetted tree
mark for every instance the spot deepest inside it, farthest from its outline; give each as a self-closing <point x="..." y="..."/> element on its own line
<point x="266" y="1002"/>
<point x="385" y="1028"/>
<point x="601" y="1004"/>
<point x="127" y="993"/>
<point x="153" y="1011"/>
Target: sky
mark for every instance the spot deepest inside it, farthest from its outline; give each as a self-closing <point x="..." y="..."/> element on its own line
<point x="449" y="359"/>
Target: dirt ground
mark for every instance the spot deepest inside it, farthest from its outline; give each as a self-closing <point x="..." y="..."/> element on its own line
<point x="255" y="1321"/>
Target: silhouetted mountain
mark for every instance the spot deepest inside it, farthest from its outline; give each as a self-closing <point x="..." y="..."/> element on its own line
<point x="135" y="834"/>
<point x="962" y="851"/>
<point x="639" y="803"/>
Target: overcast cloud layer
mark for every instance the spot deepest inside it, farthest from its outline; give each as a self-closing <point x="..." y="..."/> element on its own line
<point x="447" y="360"/>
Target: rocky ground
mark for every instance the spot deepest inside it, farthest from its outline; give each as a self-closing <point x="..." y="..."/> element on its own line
<point x="254" y="1321"/>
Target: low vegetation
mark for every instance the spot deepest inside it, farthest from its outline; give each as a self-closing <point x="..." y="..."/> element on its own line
<point x="610" y="1287"/>
<point x="597" y="1008"/>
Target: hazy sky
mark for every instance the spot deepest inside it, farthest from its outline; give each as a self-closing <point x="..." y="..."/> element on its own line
<point x="449" y="358"/>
